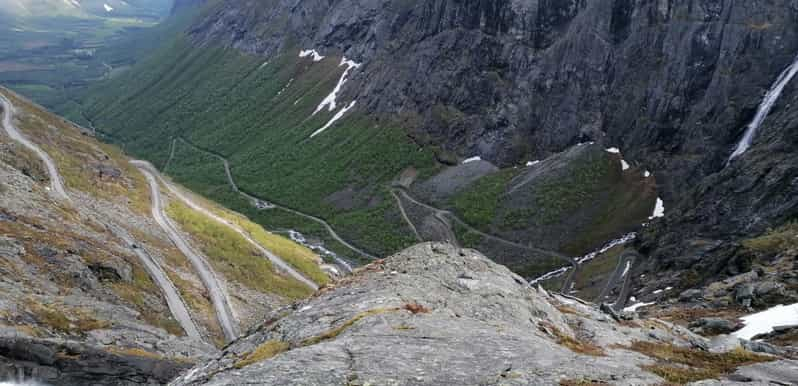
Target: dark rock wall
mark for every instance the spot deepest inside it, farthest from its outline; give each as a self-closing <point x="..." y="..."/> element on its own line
<point x="671" y="82"/>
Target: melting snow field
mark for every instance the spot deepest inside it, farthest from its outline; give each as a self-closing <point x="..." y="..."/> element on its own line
<point x="550" y="275"/>
<point x="312" y="53"/>
<point x="334" y="119"/>
<point x="612" y="244"/>
<point x="636" y="306"/>
<point x="472" y="159"/>
<point x="659" y="210"/>
<point x="331" y="100"/>
<point x="763" y="322"/>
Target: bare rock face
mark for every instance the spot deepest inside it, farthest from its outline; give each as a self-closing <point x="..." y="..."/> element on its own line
<point x="70" y="363"/>
<point x="672" y="83"/>
<point x="437" y="315"/>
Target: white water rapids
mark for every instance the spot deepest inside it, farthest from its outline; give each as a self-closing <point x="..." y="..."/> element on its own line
<point x="764" y="109"/>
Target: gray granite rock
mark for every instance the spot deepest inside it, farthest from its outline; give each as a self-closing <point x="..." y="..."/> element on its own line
<point x="437" y="315"/>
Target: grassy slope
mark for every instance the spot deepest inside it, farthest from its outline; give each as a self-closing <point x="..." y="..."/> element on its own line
<point x="592" y="195"/>
<point x="227" y="102"/>
<point x="231" y="255"/>
<point x="300" y="257"/>
<point x="74" y="155"/>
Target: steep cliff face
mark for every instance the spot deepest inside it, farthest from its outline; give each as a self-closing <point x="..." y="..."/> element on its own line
<point x="527" y="78"/>
<point x="671" y="82"/>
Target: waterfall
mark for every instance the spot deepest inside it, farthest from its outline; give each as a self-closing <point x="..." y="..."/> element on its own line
<point x="764" y="109"/>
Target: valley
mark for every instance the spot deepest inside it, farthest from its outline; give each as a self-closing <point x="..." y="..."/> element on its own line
<point x="179" y="281"/>
<point x="387" y="192"/>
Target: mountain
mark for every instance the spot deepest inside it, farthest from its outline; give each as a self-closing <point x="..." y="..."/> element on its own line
<point x="417" y="88"/>
<point x="631" y="164"/>
<point x="111" y="274"/>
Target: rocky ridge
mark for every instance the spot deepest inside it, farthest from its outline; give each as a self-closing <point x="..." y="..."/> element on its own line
<point x="437" y="314"/>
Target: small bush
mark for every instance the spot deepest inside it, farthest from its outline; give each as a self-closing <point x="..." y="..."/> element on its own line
<point x="332" y="334"/>
<point x="774" y="241"/>
<point x="684" y="365"/>
<point x="577" y="346"/>
<point x="265" y="351"/>
<point x="416" y="308"/>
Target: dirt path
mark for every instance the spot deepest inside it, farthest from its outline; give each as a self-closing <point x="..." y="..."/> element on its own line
<point x="444" y="214"/>
<point x="281" y="264"/>
<point x="267" y="203"/>
<point x="56" y="183"/>
<point x="173" y="299"/>
<point x="216" y="291"/>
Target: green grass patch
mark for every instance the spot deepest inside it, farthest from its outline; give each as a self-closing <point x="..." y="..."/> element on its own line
<point x="233" y="256"/>
<point x="683" y="365"/>
<point x="781" y="239"/>
<point x="263" y="352"/>
<point x="477" y="205"/>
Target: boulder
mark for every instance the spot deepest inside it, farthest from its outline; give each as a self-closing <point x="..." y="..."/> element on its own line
<point x="714" y="326"/>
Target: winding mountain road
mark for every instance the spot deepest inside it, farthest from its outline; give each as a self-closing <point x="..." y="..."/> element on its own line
<point x="217" y="293"/>
<point x="622" y="272"/>
<point x="276" y="260"/>
<point x="173" y="299"/>
<point x="406" y="217"/>
<point x="318" y="220"/>
<point x="56" y="183"/>
<point x="443" y="214"/>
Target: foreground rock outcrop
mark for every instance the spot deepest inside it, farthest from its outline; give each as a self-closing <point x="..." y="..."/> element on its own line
<point x="438" y="315"/>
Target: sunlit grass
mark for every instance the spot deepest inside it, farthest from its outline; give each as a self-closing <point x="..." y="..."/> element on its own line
<point x="233" y="256"/>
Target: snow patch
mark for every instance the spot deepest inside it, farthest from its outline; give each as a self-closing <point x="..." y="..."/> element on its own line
<point x="266" y="63"/>
<point x="532" y="163"/>
<point x="763" y="322"/>
<point x="330" y="100"/>
<point x="659" y="291"/>
<point x="646" y="174"/>
<point x="108" y="8"/>
<point x="614" y="150"/>
<point x="74" y="3"/>
<point x="635" y="306"/>
<point x="550" y="275"/>
<point x="335" y="118"/>
<point x="659" y="210"/>
<point x="472" y="159"/>
<point x="624" y="165"/>
<point x="312" y="53"/>
<point x="626" y="270"/>
<point x="612" y="244"/>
